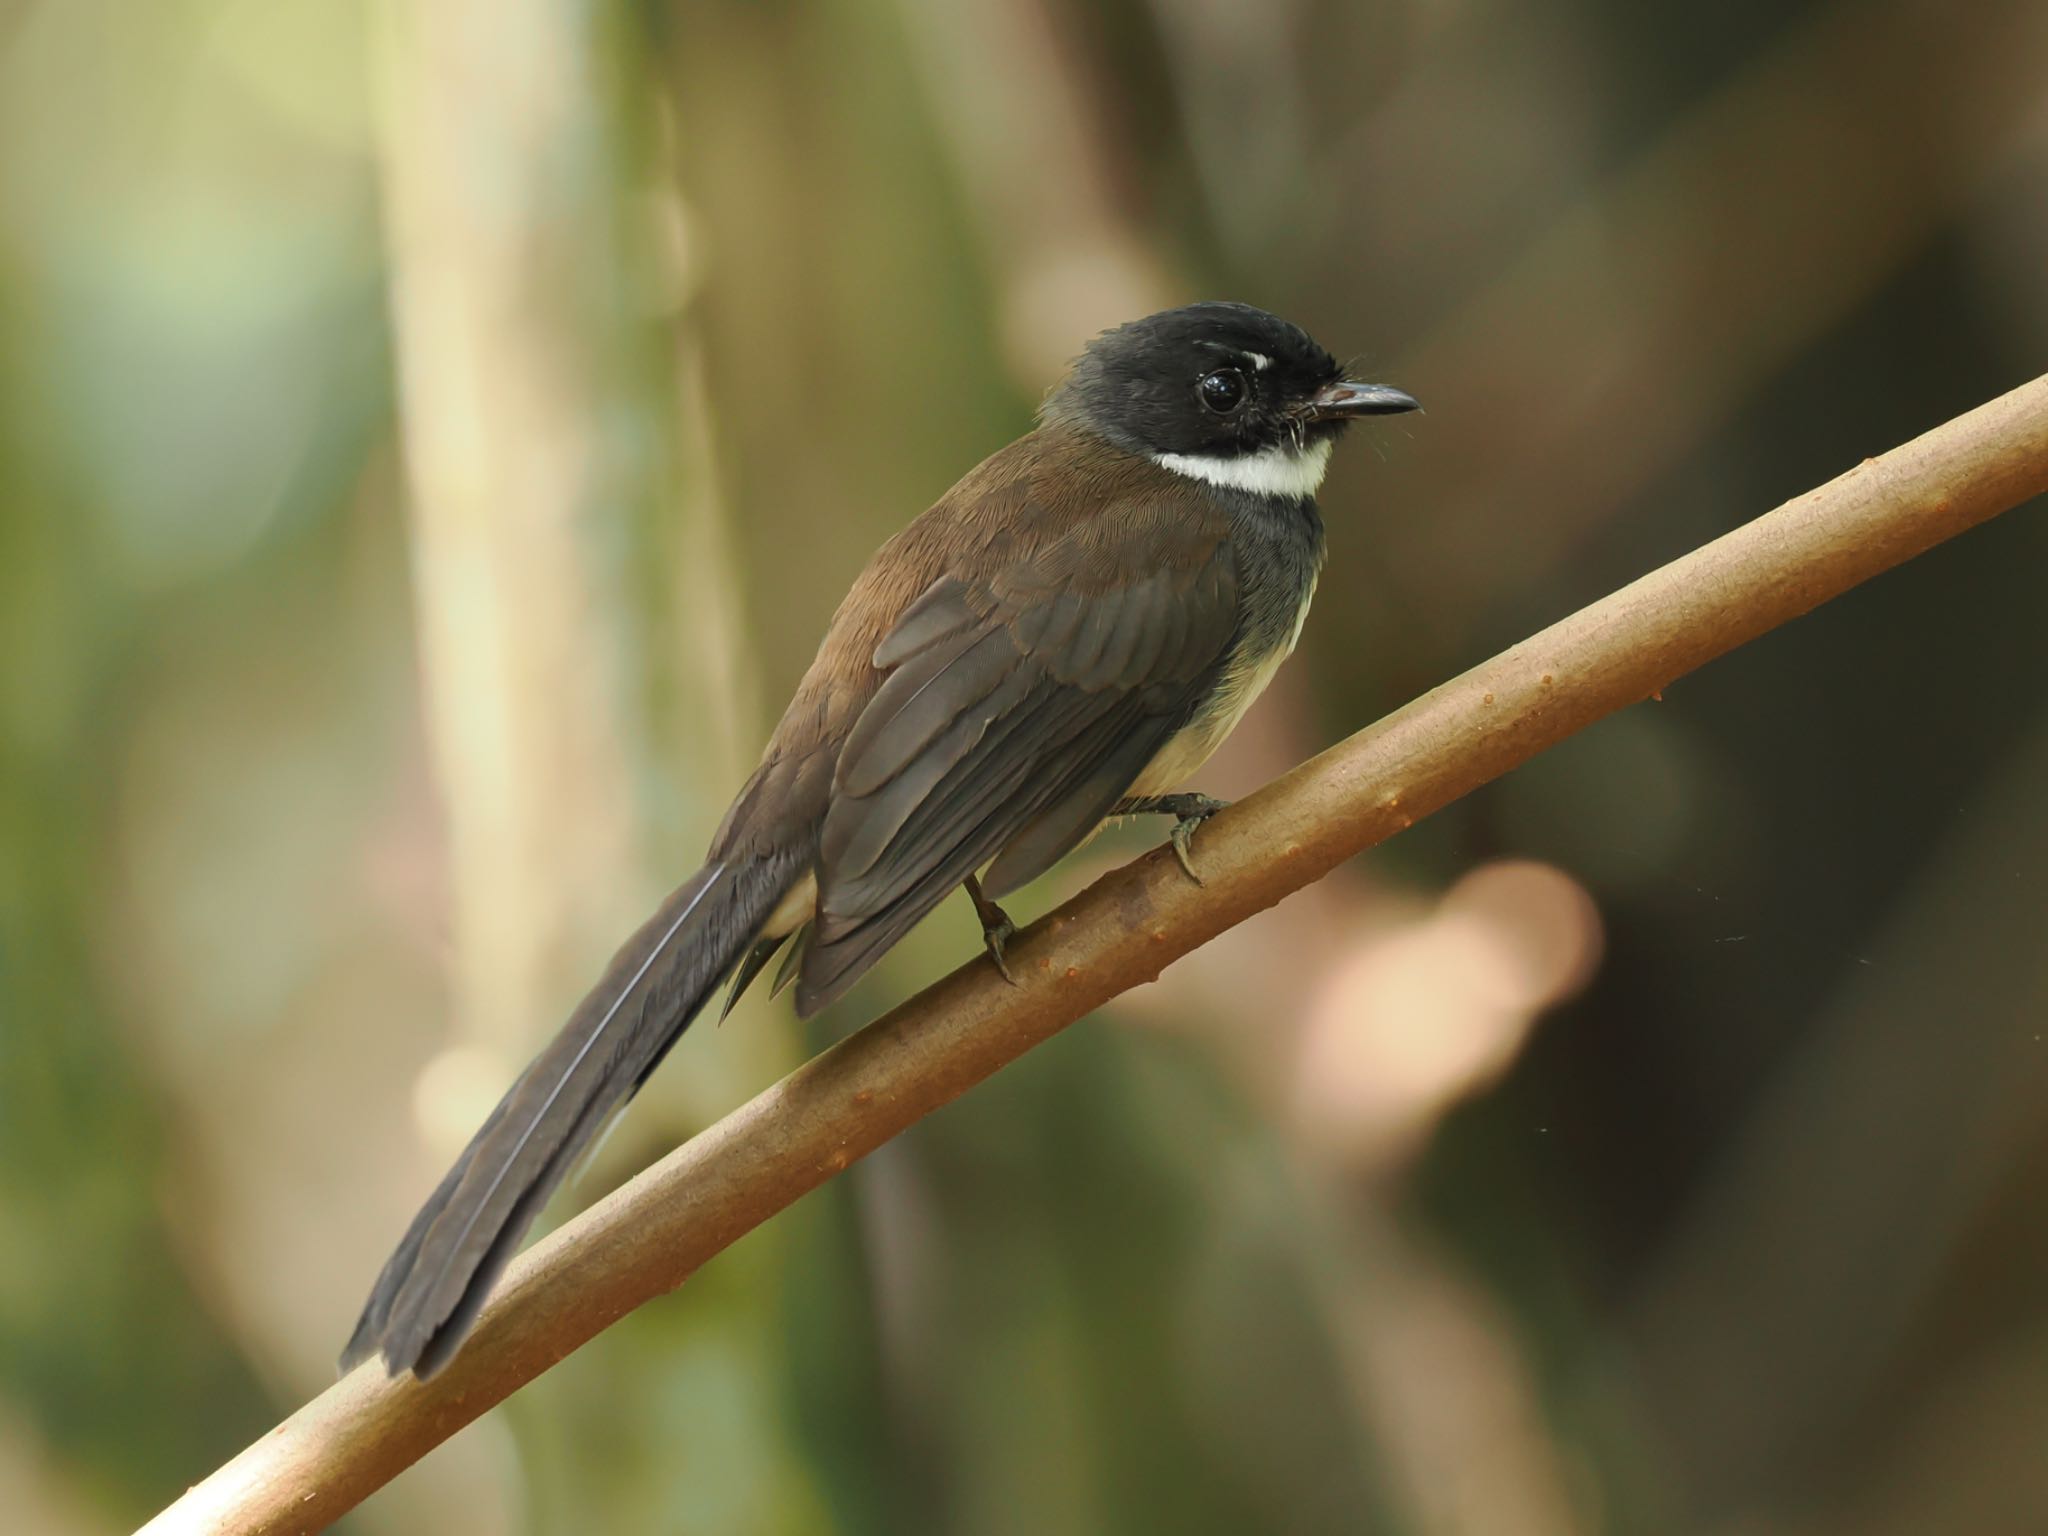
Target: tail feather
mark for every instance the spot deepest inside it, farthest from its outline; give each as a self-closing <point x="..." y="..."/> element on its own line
<point x="743" y="978"/>
<point x="435" y="1283"/>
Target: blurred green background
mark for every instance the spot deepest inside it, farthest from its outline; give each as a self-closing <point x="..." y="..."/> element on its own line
<point x="432" y="438"/>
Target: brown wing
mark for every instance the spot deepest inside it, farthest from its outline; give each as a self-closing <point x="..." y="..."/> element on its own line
<point x="1019" y="703"/>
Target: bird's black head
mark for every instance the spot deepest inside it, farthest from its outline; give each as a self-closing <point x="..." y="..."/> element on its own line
<point x="1224" y="392"/>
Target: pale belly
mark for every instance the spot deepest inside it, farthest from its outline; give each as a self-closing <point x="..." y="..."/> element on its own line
<point x="1185" y="753"/>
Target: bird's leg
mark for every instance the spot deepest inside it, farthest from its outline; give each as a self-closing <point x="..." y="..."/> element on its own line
<point x="996" y="927"/>
<point x="1190" y="811"/>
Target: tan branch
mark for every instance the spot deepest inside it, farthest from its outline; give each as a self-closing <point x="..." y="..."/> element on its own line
<point x="651" y="1235"/>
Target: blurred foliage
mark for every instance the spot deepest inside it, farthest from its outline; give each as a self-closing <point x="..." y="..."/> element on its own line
<point x="1647" y="1143"/>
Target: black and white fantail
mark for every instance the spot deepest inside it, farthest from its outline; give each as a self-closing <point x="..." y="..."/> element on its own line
<point x="1064" y="637"/>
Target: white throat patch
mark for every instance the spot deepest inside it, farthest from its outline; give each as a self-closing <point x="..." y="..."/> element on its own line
<point x="1284" y="470"/>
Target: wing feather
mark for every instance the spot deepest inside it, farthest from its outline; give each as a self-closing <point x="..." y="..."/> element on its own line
<point x="942" y="611"/>
<point x="924" y="701"/>
<point x="1020" y="704"/>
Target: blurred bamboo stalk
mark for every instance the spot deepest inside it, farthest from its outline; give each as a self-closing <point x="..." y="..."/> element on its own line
<point x="1042" y="174"/>
<point x="587" y="681"/>
<point x="484" y="155"/>
<point x="648" y="1237"/>
<point x="531" y="254"/>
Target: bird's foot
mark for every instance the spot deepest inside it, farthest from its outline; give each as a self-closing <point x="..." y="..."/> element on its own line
<point x="996" y="927"/>
<point x="993" y="937"/>
<point x="1189" y="810"/>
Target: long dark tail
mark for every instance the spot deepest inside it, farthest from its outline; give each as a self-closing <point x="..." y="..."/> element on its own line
<point x="433" y="1285"/>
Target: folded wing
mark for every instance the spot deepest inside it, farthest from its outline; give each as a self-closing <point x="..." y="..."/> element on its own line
<point x="1018" y="706"/>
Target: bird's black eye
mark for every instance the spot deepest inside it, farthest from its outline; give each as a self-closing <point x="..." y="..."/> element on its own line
<point x="1223" y="390"/>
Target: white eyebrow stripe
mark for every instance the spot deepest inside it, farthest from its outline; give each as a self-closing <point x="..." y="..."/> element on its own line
<point x="1259" y="361"/>
<point x="1284" y="470"/>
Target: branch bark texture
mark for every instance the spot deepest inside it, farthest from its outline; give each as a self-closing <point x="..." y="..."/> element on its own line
<point x="649" y="1236"/>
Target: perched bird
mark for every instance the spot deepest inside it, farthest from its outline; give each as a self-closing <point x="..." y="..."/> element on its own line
<point x="1064" y="637"/>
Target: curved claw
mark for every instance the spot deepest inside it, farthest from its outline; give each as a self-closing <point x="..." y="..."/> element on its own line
<point x="996" y="927"/>
<point x="1191" y="811"/>
<point x="993" y="938"/>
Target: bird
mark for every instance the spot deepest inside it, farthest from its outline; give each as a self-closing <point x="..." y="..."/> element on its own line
<point x="1061" y="639"/>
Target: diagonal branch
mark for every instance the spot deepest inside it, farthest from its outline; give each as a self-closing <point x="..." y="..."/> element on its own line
<point x="652" y="1234"/>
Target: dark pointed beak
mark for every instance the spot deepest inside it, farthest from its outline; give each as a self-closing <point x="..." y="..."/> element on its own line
<point x="1344" y="399"/>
